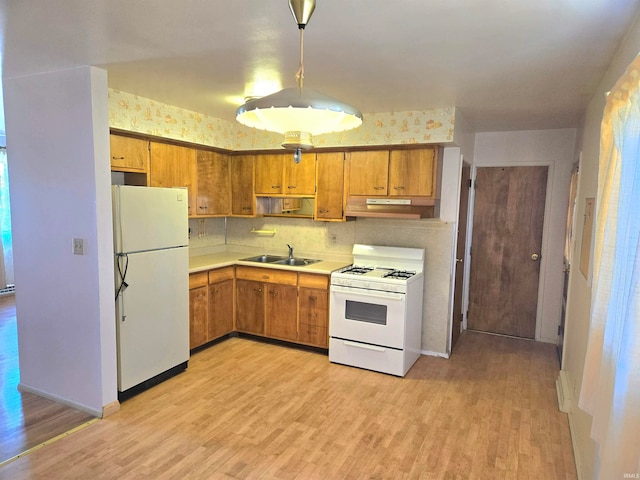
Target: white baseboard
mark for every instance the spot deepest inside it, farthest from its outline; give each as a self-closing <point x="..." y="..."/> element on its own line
<point x="434" y="354"/>
<point x="565" y="396"/>
<point x="64" y="401"/>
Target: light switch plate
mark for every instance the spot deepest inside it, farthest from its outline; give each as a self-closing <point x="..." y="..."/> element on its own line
<point x="78" y="246"/>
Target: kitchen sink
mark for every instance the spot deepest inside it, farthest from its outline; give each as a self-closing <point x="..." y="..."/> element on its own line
<point x="265" y="258"/>
<point x="296" y="262"/>
<point x="281" y="260"/>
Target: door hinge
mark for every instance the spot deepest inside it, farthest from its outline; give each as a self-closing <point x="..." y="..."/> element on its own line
<point x="470" y="183"/>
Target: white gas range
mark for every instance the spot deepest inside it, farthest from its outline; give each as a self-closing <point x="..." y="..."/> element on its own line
<point x="376" y="309"/>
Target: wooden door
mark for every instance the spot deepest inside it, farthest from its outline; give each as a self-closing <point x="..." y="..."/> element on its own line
<point x="242" y="196"/>
<point x="281" y="314"/>
<point x="250" y="306"/>
<point x="505" y="249"/>
<point x="220" y="308"/>
<point x="411" y="172"/>
<point x="465" y="185"/>
<point x="214" y="184"/>
<point x="329" y="186"/>
<point x="269" y="174"/>
<point x="368" y="172"/>
<point x="300" y="178"/>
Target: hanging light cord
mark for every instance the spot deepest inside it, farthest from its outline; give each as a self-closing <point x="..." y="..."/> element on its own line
<point x="300" y="72"/>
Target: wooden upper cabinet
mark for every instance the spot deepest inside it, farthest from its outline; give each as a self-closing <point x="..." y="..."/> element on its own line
<point x="243" y="200"/>
<point x="278" y="174"/>
<point x="329" y="203"/>
<point x="129" y="154"/>
<point x="368" y="172"/>
<point x="412" y="172"/>
<point x="213" y="195"/>
<point x="300" y="178"/>
<point x="174" y="166"/>
<point x="269" y="174"/>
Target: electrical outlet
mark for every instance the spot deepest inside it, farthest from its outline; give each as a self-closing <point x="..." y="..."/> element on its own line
<point x="78" y="246"/>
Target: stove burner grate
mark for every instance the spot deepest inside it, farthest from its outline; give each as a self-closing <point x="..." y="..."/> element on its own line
<point x="356" y="270"/>
<point x="400" y="274"/>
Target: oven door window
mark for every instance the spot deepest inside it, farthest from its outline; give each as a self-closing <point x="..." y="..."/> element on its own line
<point x="366" y="312"/>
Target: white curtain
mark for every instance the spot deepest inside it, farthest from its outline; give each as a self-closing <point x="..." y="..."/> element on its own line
<point x="611" y="379"/>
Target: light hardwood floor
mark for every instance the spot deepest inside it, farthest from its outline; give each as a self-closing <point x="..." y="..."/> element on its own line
<point x="26" y="420"/>
<point x="245" y="409"/>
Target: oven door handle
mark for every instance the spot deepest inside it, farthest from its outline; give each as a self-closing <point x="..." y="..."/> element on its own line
<point x="364" y="345"/>
<point x="368" y="293"/>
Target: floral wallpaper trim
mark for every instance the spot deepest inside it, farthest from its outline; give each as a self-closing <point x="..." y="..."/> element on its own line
<point x="144" y="115"/>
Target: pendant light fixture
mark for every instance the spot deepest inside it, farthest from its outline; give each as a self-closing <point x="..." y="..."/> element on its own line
<point x="299" y="113"/>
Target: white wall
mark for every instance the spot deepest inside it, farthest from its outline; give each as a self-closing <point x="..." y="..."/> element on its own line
<point x="57" y="132"/>
<point x="554" y="148"/>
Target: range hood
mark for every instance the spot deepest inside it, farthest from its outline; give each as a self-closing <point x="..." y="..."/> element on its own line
<point x="385" y="207"/>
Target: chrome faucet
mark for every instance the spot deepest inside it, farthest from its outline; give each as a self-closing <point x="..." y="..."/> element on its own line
<point x="290" y="251"/>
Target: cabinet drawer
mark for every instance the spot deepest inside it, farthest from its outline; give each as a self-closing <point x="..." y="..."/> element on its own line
<point x="220" y="274"/>
<point x="267" y="275"/>
<point x="313" y="334"/>
<point x="311" y="280"/>
<point x="198" y="280"/>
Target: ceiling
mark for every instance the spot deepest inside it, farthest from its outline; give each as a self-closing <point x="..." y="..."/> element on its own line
<point x="506" y="65"/>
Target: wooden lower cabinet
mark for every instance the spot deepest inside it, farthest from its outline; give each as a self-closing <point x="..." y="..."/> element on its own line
<point x="314" y="313"/>
<point x="313" y="309"/>
<point x="275" y="303"/>
<point x="210" y="305"/>
<point x="281" y="313"/>
<point x="250" y="306"/>
<point x="220" y="319"/>
<point x="198" y="309"/>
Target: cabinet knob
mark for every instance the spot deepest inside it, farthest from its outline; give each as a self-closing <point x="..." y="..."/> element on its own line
<point x="312" y="298"/>
<point x="378" y="188"/>
<point x="323" y="210"/>
<point x="292" y="186"/>
<point x="257" y="290"/>
<point x="276" y="187"/>
<point x="117" y="158"/>
<point x="398" y="188"/>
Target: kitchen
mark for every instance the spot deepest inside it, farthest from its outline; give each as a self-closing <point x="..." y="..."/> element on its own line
<point x="90" y="380"/>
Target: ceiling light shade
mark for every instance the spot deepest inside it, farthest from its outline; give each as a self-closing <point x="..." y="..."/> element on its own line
<point x="294" y="109"/>
<point x="299" y="113"/>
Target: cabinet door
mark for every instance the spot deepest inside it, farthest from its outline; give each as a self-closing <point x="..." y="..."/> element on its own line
<point x="220" y="309"/>
<point x="330" y="186"/>
<point x="242" y="197"/>
<point x="300" y="178"/>
<point x="411" y="172"/>
<point x="281" y="311"/>
<point x="269" y="174"/>
<point x="198" y="312"/>
<point x="368" y="172"/>
<point x="313" y="316"/>
<point x="129" y="154"/>
<point x="173" y="166"/>
<point x="250" y="306"/>
<point x="214" y="184"/>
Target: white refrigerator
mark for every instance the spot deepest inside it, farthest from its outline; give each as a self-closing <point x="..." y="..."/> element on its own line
<point x="151" y="240"/>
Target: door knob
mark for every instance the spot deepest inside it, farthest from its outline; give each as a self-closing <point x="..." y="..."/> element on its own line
<point x="458" y="260"/>
<point x="535" y="257"/>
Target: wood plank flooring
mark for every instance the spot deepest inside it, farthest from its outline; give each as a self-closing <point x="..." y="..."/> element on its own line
<point x="250" y="410"/>
<point x="26" y="420"/>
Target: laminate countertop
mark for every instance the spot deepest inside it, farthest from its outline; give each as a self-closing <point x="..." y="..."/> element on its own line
<point x="199" y="263"/>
